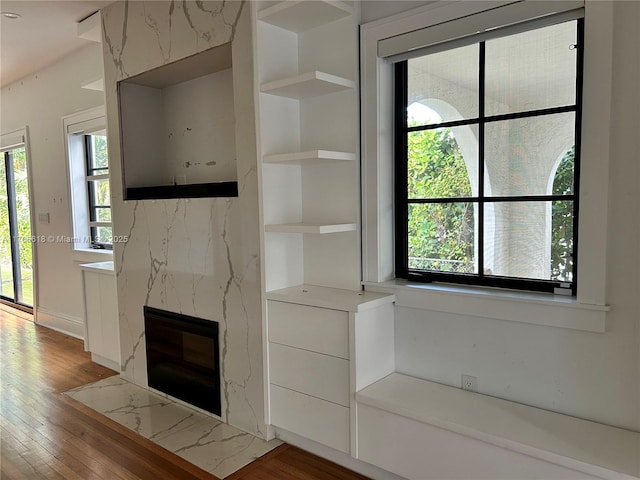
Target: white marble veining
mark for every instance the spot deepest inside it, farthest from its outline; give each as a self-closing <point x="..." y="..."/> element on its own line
<point x="198" y="257"/>
<point x="200" y="439"/>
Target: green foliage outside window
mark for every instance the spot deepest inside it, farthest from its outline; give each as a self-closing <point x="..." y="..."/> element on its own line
<point x="22" y="209"/>
<point x="562" y="220"/>
<point x="21" y="180"/>
<point x="441" y="236"/>
<point x="100" y="156"/>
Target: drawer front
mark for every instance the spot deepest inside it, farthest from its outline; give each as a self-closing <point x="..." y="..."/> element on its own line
<point x="312" y="373"/>
<point x="310" y="417"/>
<point x="317" y="329"/>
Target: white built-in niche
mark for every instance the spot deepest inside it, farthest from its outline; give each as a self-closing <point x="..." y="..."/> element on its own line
<point x="178" y="128"/>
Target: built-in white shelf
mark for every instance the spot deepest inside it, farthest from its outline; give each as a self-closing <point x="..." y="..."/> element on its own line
<point x="95" y="84"/>
<point x="298" y="158"/>
<point x="299" y="16"/>
<point x="307" y="85"/>
<point x="334" y="298"/>
<point x="317" y="228"/>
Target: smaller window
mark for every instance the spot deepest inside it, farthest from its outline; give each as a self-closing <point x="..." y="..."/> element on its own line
<point x="86" y="141"/>
<point x="98" y="192"/>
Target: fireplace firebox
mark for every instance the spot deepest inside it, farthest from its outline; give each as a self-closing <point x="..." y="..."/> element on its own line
<point x="182" y="357"/>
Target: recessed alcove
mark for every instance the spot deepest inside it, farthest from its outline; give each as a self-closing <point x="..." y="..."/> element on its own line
<point x="178" y="129"/>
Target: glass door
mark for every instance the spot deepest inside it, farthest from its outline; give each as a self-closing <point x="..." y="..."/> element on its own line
<point x="16" y="264"/>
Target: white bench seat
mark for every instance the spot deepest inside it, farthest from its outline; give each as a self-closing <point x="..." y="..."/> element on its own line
<point x="592" y="448"/>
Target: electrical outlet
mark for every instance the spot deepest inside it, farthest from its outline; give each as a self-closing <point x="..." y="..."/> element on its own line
<point x="469" y="383"/>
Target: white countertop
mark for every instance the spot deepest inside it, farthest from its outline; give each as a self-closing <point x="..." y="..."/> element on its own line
<point x="335" y="298"/>
<point x="99" y="267"/>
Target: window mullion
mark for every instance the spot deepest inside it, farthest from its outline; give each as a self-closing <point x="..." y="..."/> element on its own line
<point x="401" y="181"/>
<point x="577" y="150"/>
<point x="481" y="166"/>
<point x="101" y="176"/>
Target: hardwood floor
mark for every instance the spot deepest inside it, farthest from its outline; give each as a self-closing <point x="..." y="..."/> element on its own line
<point x="44" y="434"/>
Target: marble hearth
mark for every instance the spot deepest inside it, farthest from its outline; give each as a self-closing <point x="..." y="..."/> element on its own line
<point x="216" y="447"/>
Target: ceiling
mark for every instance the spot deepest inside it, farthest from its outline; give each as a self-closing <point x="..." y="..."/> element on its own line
<point x="46" y="32"/>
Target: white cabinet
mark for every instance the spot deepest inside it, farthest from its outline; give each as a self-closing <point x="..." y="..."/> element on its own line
<point x="314" y="358"/>
<point x="102" y="336"/>
<point x="308" y="104"/>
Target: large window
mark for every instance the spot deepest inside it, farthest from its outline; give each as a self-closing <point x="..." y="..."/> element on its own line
<point x="487" y="160"/>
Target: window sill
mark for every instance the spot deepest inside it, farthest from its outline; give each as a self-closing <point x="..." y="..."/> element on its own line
<point x="523" y="307"/>
<point x="89" y="255"/>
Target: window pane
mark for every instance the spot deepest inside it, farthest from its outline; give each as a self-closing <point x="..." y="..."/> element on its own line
<point x="442" y="163"/>
<point x="100" y="158"/>
<point x="564" y="175"/>
<point x="443" y="82"/>
<point x="6" y="266"/>
<point x="102" y="214"/>
<point x="24" y="253"/>
<point x="531" y="70"/>
<point x="103" y="235"/>
<point x="441" y="237"/>
<point x="562" y="241"/>
<point x="522" y="155"/>
<point x="100" y="192"/>
<point x="529" y="240"/>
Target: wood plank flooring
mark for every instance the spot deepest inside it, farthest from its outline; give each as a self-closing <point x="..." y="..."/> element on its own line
<point x="45" y="435"/>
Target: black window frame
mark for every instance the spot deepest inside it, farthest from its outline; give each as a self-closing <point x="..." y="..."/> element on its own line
<point x="92" y="206"/>
<point x="402" y="200"/>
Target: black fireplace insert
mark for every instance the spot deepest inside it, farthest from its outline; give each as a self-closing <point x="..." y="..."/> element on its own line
<point x="182" y="357"/>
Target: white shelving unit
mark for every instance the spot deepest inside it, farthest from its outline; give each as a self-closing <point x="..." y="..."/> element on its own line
<point x="308" y="78"/>
<point x="308" y="71"/>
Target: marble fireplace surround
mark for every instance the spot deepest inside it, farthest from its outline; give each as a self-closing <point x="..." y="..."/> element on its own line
<point x="198" y="257"/>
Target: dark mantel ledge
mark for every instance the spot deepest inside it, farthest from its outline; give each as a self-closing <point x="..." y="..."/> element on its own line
<point x="195" y="190"/>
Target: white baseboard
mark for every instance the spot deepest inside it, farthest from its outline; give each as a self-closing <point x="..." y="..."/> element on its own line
<point x="335" y="456"/>
<point x="105" y="362"/>
<point x="60" y="322"/>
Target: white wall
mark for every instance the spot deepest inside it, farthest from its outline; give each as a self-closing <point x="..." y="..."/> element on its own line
<point x="371" y="10"/>
<point x="39" y="101"/>
<point x="589" y="375"/>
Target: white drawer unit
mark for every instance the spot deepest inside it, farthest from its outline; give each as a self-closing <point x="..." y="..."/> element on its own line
<point x="311" y="417"/>
<point x="320" y="330"/>
<point x="313" y="358"/>
<point x="315" y="374"/>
